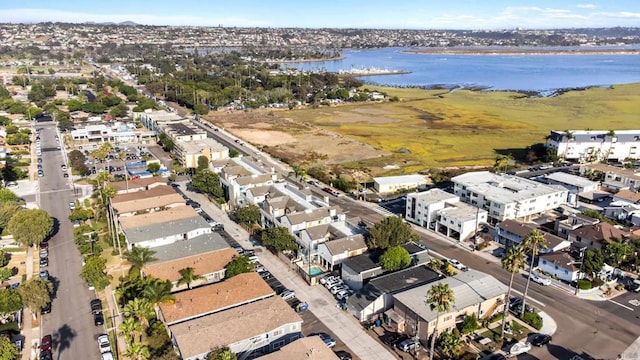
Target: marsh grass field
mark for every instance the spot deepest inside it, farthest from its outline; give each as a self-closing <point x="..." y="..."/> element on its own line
<point x="437" y="128"/>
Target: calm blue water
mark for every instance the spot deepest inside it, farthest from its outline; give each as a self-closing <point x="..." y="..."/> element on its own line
<point x="535" y="72"/>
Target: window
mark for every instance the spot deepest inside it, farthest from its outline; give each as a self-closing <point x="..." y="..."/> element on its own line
<point x="448" y="317"/>
<point x="566" y="272"/>
<point x="278" y="332"/>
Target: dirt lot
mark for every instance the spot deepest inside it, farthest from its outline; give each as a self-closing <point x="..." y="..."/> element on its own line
<point x="297" y="142"/>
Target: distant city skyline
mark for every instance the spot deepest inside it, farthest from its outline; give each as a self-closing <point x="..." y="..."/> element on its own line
<point x="404" y="14"/>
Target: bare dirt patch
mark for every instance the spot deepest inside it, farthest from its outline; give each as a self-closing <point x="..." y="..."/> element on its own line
<point x="293" y="141"/>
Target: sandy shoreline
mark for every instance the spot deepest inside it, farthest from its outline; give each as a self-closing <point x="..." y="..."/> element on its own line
<point x="521" y="52"/>
<point x="303" y="61"/>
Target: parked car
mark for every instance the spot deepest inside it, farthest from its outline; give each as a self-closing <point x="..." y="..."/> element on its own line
<point x="98" y="318"/>
<point x="540" y="339"/>
<point x="44" y="262"/>
<point x="458" y="265"/>
<point x="72" y="205"/>
<point x="265" y="275"/>
<point x="336" y="289"/>
<point x="343" y="355"/>
<point x="106" y="356"/>
<point x="328" y="340"/>
<point x="96" y="305"/>
<point x="45" y="344"/>
<point x="288" y="294"/>
<point x="44" y="253"/>
<point x="327" y="278"/>
<point x="520" y="348"/>
<point x="44" y="274"/>
<point x="540" y="280"/>
<point x="46" y="355"/>
<point x="409" y="345"/>
<point x="46" y="309"/>
<point x="103" y="343"/>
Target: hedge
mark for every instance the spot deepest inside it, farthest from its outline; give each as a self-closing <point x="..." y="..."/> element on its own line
<point x="533" y="319"/>
<point x="584" y="284"/>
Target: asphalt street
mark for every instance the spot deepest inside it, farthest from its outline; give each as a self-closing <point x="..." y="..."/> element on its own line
<point x="70" y="321"/>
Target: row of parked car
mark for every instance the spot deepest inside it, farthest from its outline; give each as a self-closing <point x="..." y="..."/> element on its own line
<point x="337" y="287"/>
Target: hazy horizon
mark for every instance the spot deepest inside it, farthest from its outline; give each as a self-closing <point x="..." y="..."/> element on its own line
<point x="372" y="14"/>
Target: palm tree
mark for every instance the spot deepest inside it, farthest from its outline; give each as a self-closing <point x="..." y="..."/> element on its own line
<point x="513" y="261"/>
<point x="436" y="264"/>
<point x="188" y="276"/>
<point x="137" y="351"/>
<point x="140" y="309"/>
<point x="130" y="328"/>
<point x="140" y="256"/>
<point x="450" y="344"/>
<point x="439" y="298"/>
<point x="534" y="241"/>
<point x="221" y="353"/>
<point x="158" y="291"/>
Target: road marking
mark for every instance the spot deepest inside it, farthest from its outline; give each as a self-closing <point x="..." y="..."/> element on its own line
<point x="55" y="191"/>
<point x="634" y="302"/>
<point x="529" y="298"/>
<point x="624" y="306"/>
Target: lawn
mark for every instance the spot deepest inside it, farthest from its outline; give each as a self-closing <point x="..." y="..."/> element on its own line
<point x="434" y="128"/>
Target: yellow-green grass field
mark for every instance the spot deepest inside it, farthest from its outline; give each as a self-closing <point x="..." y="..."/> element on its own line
<point x="468" y="128"/>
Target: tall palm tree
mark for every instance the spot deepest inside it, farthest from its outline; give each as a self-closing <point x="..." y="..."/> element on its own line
<point x="140" y="256"/>
<point x="439" y="298"/>
<point x="140" y="309"/>
<point x="513" y="261"/>
<point x="436" y="264"/>
<point x="158" y="291"/>
<point x="137" y="351"/>
<point x="130" y="328"/>
<point x="534" y="241"/>
<point x="188" y="276"/>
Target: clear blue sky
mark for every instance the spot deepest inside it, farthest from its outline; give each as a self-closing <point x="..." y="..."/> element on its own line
<point x="410" y="14"/>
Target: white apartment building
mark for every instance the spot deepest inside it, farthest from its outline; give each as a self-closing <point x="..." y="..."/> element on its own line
<point x="153" y="120"/>
<point x="507" y="196"/>
<point x="392" y="184"/>
<point x="595" y="145"/>
<point x="443" y="212"/>
<point x="575" y="184"/>
<point x="115" y="133"/>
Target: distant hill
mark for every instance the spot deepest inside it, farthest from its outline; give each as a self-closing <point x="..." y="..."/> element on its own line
<point x="124" y="23"/>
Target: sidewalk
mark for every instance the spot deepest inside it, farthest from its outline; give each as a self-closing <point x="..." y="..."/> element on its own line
<point x="31" y="334"/>
<point x="116" y="318"/>
<point x="342" y="324"/>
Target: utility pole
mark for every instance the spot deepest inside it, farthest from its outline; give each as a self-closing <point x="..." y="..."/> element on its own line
<point x="582" y="251"/>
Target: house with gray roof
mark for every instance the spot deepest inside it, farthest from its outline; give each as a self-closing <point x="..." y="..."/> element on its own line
<point x="153" y="234"/>
<point x="474" y="292"/>
<point x="333" y="252"/>
<point x="574" y="183"/>
<point x="376" y="296"/>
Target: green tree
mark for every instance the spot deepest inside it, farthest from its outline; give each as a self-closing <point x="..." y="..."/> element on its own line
<point x="391" y="231"/>
<point x="131" y="329"/>
<point x="450" y="344"/>
<point x="233" y="153"/>
<point x="140" y="256"/>
<point x="249" y="215"/>
<point x="615" y="253"/>
<point x="395" y="258"/>
<point x="278" y="238"/>
<point x="35" y="294"/>
<point x="8" y="350"/>
<point x="139" y="309"/>
<point x="203" y="163"/>
<point x="439" y="298"/>
<point x="119" y="111"/>
<point x="469" y="324"/>
<point x="5" y="274"/>
<point x="94" y="272"/>
<point x="534" y="241"/>
<point x="7" y="210"/>
<point x="207" y="182"/>
<point x="137" y="351"/>
<point x="513" y="261"/>
<point x="238" y="265"/>
<point x="153" y="167"/>
<point x="188" y="276"/>
<point x="593" y="262"/>
<point x="166" y="142"/>
<point x="80" y="214"/>
<point x="157" y="291"/>
<point x="221" y="353"/>
<point x="436" y="264"/>
<point x="7" y="195"/>
<point x="30" y="227"/>
<point x="10" y="303"/>
<point x="94" y="107"/>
